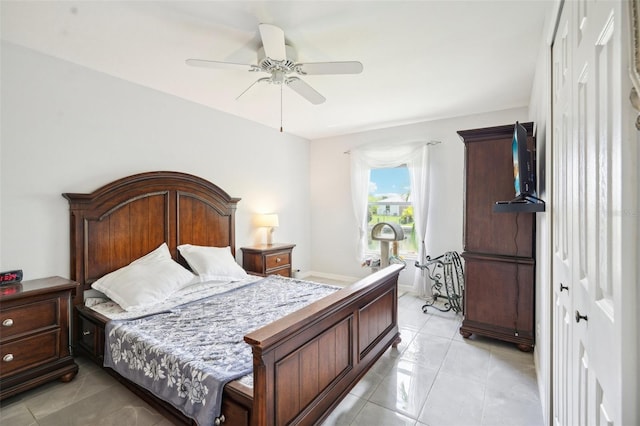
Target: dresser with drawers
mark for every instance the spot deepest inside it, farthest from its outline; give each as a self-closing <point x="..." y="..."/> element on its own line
<point x="34" y="334"/>
<point x="268" y="259"/>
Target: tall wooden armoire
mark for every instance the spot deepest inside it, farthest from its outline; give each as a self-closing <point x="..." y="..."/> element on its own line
<point x="499" y="248"/>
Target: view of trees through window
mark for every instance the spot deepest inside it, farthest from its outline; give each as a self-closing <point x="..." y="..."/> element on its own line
<point x="390" y="202"/>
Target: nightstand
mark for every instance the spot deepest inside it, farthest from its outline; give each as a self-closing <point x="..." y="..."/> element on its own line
<point x="268" y="259"/>
<point x="34" y="334"/>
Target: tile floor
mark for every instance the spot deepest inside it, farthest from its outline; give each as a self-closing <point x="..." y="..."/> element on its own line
<point x="437" y="378"/>
<point x="433" y="378"/>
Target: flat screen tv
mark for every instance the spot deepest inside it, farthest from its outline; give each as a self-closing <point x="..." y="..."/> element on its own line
<point x="524" y="177"/>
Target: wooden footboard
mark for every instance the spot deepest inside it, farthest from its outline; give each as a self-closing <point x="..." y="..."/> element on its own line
<point x="306" y="362"/>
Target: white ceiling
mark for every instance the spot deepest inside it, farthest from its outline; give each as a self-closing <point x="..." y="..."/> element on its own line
<point x="423" y="60"/>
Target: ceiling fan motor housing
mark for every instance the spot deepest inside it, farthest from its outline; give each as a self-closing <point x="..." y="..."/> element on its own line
<point x="275" y="67"/>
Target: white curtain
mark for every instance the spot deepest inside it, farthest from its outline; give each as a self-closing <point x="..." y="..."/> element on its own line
<point x="416" y="158"/>
<point x="418" y="167"/>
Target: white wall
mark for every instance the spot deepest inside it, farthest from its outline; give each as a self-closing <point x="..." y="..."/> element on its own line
<point x="540" y="113"/>
<point x="334" y="230"/>
<point x="539" y="110"/>
<point x="69" y="129"/>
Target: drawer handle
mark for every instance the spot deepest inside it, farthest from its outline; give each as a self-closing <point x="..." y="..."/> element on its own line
<point x="7" y="358"/>
<point x="7" y="323"/>
<point x="278" y="260"/>
<point x="86" y="333"/>
<point x="219" y="420"/>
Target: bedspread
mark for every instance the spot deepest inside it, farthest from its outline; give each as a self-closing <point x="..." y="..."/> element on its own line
<point x="187" y="355"/>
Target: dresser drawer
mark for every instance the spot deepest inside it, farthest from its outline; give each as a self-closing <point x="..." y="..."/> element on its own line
<point x="34" y="335"/>
<point x="277" y="260"/>
<point x="29" y="352"/>
<point x="29" y="317"/>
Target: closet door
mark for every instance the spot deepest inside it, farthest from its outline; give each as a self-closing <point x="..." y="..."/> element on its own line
<point x="594" y="352"/>
<point x="562" y="214"/>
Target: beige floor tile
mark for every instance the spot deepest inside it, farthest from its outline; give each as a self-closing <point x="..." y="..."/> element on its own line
<point x="370" y="381"/>
<point x="16" y="414"/>
<point x="468" y="361"/>
<point x="443" y="325"/>
<point x="346" y="412"/>
<point x="428" y="351"/>
<point x="56" y="396"/>
<point x="405" y="388"/>
<point x="113" y="406"/>
<point x="453" y="401"/>
<point x="515" y="406"/>
<point x="372" y="414"/>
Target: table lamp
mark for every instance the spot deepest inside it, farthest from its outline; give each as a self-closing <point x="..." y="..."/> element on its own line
<point x="268" y="221"/>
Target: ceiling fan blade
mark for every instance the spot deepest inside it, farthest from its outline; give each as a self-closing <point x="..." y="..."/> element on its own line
<point x="221" y="65"/>
<point x="260" y="80"/>
<point x="273" y="42"/>
<point x="304" y="90"/>
<point x="316" y="68"/>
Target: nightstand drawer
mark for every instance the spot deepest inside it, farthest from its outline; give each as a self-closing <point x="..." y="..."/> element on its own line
<point x="285" y="272"/>
<point x="89" y="339"/>
<point x="29" y="317"/>
<point x="87" y="336"/>
<point x="278" y="260"/>
<point x="29" y="352"/>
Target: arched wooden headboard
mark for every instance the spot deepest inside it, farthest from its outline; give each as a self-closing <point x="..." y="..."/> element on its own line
<point x="129" y="217"/>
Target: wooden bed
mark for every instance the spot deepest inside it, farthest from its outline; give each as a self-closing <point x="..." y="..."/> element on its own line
<point x="304" y="363"/>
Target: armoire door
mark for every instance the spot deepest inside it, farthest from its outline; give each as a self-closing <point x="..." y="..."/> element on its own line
<point x="595" y="369"/>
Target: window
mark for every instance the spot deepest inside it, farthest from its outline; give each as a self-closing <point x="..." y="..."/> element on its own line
<point x="413" y="160"/>
<point x="390" y="202"/>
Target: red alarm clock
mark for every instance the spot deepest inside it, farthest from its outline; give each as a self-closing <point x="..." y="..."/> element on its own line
<point x="10" y="277"/>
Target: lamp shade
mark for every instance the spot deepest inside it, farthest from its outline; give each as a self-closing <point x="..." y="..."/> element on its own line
<point x="267" y="220"/>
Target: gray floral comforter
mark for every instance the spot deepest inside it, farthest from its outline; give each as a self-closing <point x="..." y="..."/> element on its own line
<point x="186" y="355"/>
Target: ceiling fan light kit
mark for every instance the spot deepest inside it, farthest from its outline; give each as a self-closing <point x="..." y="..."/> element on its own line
<point x="279" y="60"/>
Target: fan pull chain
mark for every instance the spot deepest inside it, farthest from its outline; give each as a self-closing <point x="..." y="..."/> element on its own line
<point x="281" y="108"/>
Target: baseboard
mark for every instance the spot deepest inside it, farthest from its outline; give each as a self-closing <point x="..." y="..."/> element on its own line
<point x="405" y="289"/>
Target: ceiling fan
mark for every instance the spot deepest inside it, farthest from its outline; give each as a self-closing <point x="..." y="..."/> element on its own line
<point x="278" y="59"/>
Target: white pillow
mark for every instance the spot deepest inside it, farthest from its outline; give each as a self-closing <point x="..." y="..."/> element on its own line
<point x="212" y="263"/>
<point x="146" y="281"/>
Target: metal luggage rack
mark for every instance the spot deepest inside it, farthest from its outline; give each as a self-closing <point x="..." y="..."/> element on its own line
<point x="448" y="267"/>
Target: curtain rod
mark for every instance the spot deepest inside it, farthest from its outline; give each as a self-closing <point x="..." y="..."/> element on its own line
<point x="426" y="144"/>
